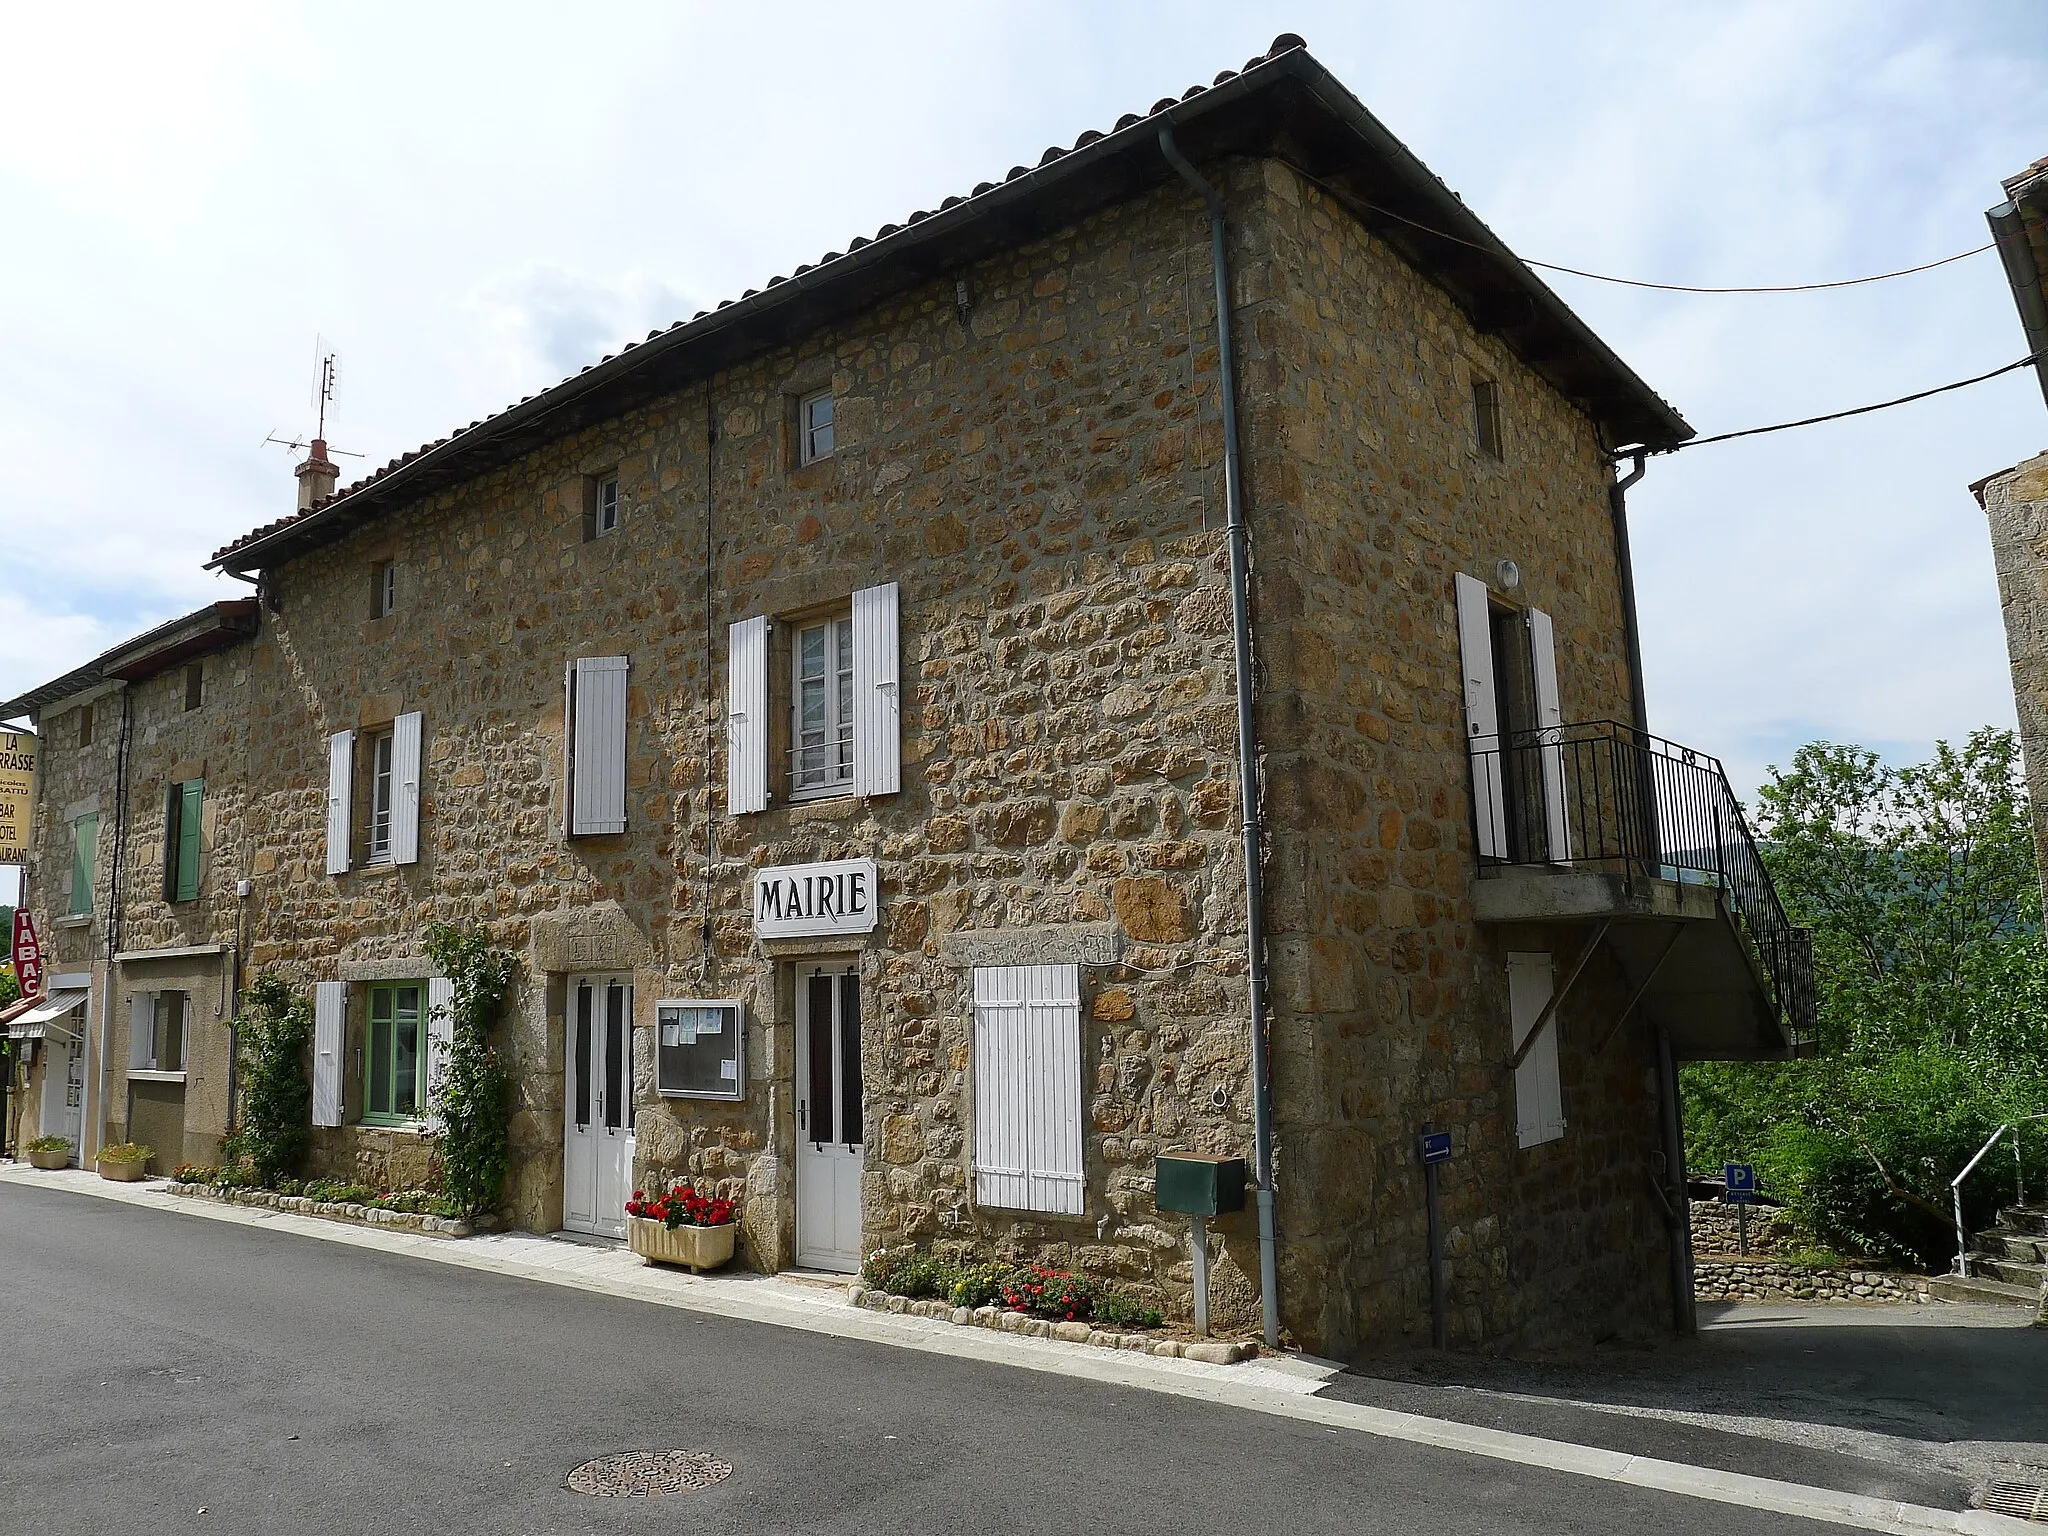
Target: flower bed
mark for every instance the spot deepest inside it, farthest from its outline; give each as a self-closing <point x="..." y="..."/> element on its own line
<point x="1208" y="1351"/>
<point x="410" y="1210"/>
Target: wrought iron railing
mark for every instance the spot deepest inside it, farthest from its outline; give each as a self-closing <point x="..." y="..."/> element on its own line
<point x="1603" y="795"/>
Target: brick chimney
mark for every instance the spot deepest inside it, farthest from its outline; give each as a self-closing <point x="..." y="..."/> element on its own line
<point x="317" y="476"/>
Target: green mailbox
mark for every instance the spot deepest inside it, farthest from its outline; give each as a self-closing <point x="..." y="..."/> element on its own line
<point x="1198" y="1185"/>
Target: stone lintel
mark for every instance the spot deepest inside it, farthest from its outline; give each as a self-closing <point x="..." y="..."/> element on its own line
<point x="181" y="952"/>
<point x="815" y="944"/>
<point x="599" y="937"/>
<point x="403" y="968"/>
<point x="1063" y="944"/>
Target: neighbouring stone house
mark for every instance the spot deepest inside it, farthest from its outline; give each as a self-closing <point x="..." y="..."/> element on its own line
<point x="832" y="702"/>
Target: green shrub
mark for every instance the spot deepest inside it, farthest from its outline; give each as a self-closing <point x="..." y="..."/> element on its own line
<point x="50" y="1144"/>
<point x="472" y="1094"/>
<point x="126" y="1152"/>
<point x="275" y="1031"/>
<point x="980" y="1285"/>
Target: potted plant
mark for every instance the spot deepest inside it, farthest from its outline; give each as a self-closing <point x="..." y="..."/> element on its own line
<point x="50" y="1152"/>
<point x="681" y="1227"/>
<point x="125" y="1161"/>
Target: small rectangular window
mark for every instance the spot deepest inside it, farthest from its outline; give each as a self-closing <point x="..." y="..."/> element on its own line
<point x="378" y="849"/>
<point x="1486" y="416"/>
<point x="195" y="685"/>
<point x="395" y="1064"/>
<point x="183" y="804"/>
<point x="698" y="1052"/>
<point x="821" y="709"/>
<point x="156" y="1032"/>
<point x="383" y="588"/>
<point x="814" y="427"/>
<point x="600" y="505"/>
<point x="85" y="725"/>
<point x="85" y="840"/>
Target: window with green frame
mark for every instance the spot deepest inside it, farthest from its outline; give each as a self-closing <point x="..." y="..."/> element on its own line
<point x="182" y="804"/>
<point x="85" y="841"/>
<point x="395" y="1055"/>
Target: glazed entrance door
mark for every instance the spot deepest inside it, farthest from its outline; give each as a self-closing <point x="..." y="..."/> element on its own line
<point x="830" y="1123"/>
<point x="597" y="1107"/>
<point x="63" y="1111"/>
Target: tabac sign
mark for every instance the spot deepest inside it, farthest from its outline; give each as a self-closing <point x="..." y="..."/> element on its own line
<point x="17" y="794"/>
<point x="802" y="901"/>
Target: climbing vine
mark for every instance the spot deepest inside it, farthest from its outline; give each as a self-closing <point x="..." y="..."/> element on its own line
<point x="471" y="1095"/>
<point x="275" y="1030"/>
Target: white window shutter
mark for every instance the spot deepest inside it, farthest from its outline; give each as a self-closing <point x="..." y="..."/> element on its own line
<point x="1539" y="1093"/>
<point x="1550" y="721"/>
<point x="440" y="1034"/>
<point x="1482" y="718"/>
<point x="405" y="789"/>
<point x="330" y="1029"/>
<point x="141" y="1032"/>
<point x="746" y="753"/>
<point x="1027" y="1088"/>
<point x="597" y="782"/>
<point x="877" y="709"/>
<point x="341" y="760"/>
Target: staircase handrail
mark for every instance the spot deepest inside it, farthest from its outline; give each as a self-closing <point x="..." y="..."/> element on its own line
<point x="1955" y="1185"/>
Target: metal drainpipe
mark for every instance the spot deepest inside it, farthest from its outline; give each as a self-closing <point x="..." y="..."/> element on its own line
<point x="1617" y="506"/>
<point x="1247" y="746"/>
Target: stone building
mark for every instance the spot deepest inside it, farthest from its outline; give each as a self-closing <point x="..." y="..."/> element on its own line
<point x="832" y="701"/>
<point x="2015" y="501"/>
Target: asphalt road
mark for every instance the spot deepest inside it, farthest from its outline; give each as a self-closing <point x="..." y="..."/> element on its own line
<point x="166" y="1373"/>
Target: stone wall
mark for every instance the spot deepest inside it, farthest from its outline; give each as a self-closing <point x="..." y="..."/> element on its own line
<point x="1728" y="1279"/>
<point x="2016" y="506"/>
<point x="1370" y="493"/>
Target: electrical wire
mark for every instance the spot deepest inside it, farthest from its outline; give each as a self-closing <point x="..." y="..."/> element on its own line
<point x="1627" y="282"/>
<point x="1861" y="410"/>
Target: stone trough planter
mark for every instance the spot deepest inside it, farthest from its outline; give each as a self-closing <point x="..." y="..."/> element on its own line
<point x="50" y="1161"/>
<point x="700" y="1248"/>
<point x="1208" y="1351"/>
<point x="122" y="1172"/>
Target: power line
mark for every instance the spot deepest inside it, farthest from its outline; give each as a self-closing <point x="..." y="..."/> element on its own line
<point x="1636" y="282"/>
<point x="1861" y="410"/>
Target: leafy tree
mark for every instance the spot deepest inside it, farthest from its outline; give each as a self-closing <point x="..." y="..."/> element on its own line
<point x="1920" y="886"/>
<point x="276" y="1032"/>
<point x="472" y="1093"/>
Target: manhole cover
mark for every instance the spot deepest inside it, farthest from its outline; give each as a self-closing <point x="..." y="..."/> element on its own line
<point x="2029" y="1501"/>
<point x="647" y="1474"/>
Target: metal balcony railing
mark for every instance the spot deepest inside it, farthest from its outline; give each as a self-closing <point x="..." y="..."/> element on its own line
<point x="1605" y="796"/>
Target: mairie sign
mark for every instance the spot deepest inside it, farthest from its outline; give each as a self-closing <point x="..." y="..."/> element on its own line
<point x="801" y="901"/>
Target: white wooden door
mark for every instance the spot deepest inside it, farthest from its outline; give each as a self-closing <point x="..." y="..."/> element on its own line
<point x="64" y="1090"/>
<point x="830" y="1117"/>
<point x="597" y="1105"/>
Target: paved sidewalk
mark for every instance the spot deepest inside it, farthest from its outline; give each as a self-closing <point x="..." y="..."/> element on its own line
<point x="1288" y="1387"/>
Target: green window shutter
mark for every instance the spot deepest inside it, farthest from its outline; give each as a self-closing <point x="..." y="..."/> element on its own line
<point x="173" y="802"/>
<point x="188" y="839"/>
<point x="85" y="837"/>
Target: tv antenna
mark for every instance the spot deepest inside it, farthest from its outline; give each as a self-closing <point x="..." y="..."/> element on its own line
<point x="322" y="393"/>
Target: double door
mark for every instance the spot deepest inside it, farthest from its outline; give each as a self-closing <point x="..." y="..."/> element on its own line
<point x="597" y="1110"/>
<point x="831" y="1123"/>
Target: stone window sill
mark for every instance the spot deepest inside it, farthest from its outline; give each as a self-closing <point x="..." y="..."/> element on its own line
<point x="138" y="1075"/>
<point x="72" y="920"/>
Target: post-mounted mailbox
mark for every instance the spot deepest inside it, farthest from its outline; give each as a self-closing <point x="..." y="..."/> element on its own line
<point x="1198" y="1185"/>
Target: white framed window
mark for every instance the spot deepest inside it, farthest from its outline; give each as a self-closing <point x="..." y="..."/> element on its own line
<point x="821" y="709"/>
<point x="1539" y="1091"/>
<point x="605" y="512"/>
<point x="156" y="1032"/>
<point x="377" y="847"/>
<point x="383" y="588"/>
<point x="1027" y="1088"/>
<point x="814" y="427"/>
<point x="699" y="1048"/>
<point x="1486" y="418"/>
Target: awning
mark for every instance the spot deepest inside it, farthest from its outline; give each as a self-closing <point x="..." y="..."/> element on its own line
<point x="40" y="1021"/>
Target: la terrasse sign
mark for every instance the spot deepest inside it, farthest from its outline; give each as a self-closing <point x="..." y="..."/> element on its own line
<point x="17" y="794"/>
<point x="802" y="901"/>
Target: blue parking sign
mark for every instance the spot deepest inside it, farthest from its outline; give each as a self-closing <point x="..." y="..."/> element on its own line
<point x="1741" y="1183"/>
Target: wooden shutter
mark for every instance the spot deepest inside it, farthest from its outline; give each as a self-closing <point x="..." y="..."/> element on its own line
<point x="877" y="711"/>
<point x="1027" y="1088"/>
<point x="1482" y="718"/>
<point x="746" y="753"/>
<point x="341" y="760"/>
<point x="174" y="806"/>
<point x="440" y="1033"/>
<point x="1550" y="722"/>
<point x="405" y="789"/>
<point x="1539" y="1094"/>
<point x="330" y="1029"/>
<point x="141" y="1032"/>
<point x="191" y="803"/>
<point x="597" y="778"/>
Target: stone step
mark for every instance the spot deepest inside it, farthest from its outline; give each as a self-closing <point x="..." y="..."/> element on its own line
<point x="2007" y="1270"/>
<point x="2020" y="1248"/>
<point x="1983" y="1292"/>
<point x="2025" y="1219"/>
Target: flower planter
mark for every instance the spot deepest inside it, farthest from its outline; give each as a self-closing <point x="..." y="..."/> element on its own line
<point x="701" y="1248"/>
<point x="61" y="1158"/>
<point x="121" y="1173"/>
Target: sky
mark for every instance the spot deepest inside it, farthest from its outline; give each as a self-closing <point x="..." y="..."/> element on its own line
<point x="469" y="202"/>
